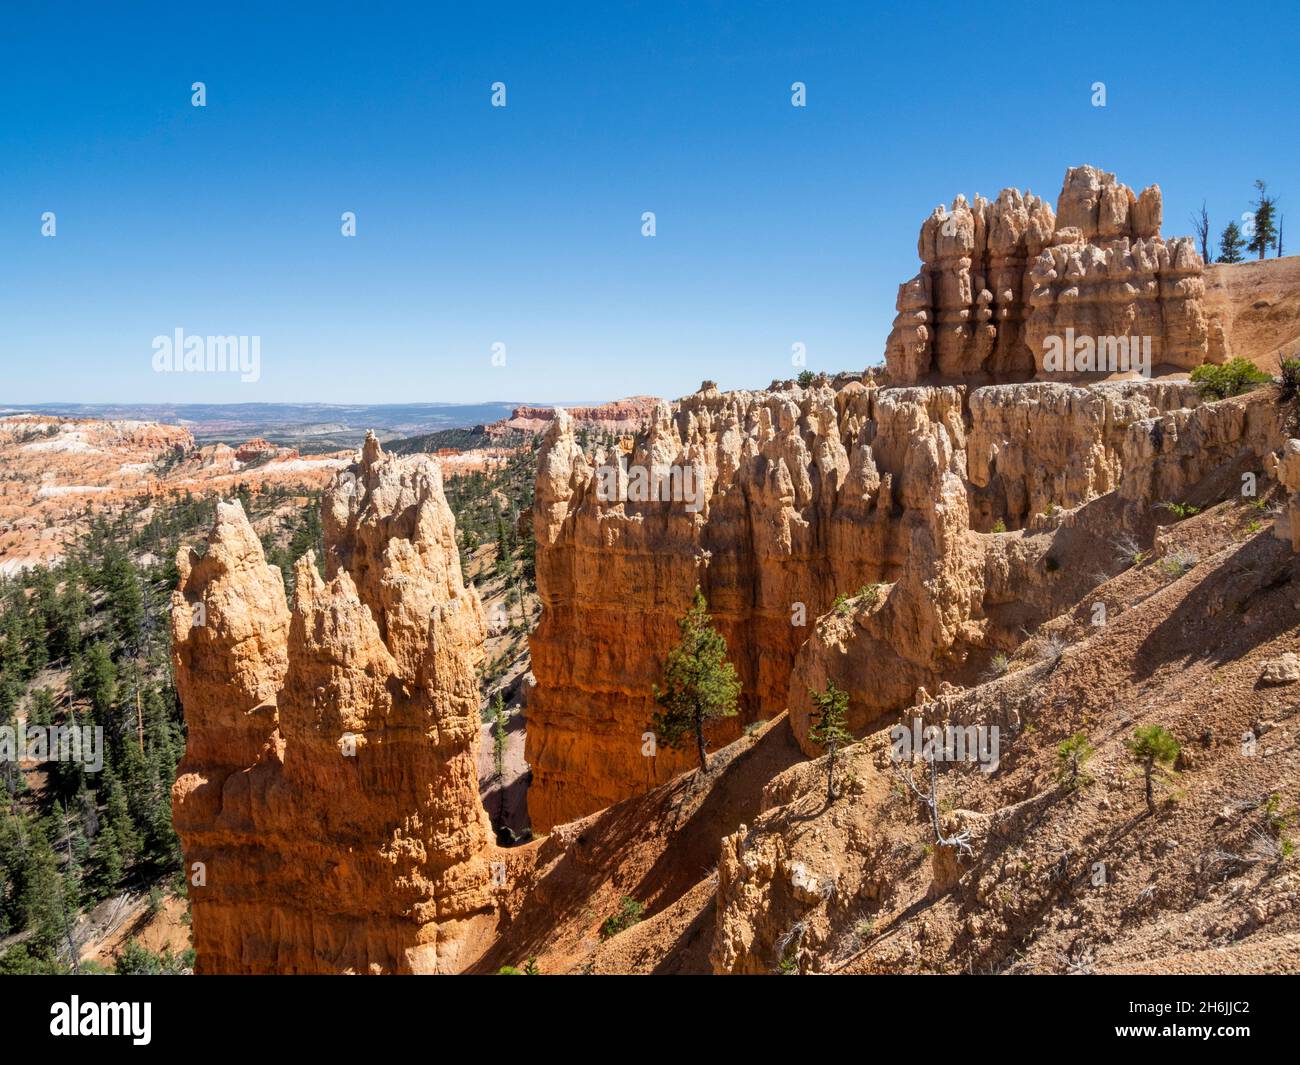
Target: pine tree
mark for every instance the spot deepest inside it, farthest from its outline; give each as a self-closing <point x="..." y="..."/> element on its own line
<point x="699" y="686"/>
<point x="117" y="815"/>
<point x="1153" y="747"/>
<point x="1230" y="244"/>
<point x="161" y="840"/>
<point x="1265" y="225"/>
<point x="125" y="599"/>
<point x="499" y="737"/>
<point x="830" y="729"/>
<point x="40" y="892"/>
<point x="13" y="650"/>
<point x="505" y="563"/>
<point x="40" y="710"/>
<point x="1072" y="755"/>
<point x="97" y="681"/>
<point x="109" y="864"/>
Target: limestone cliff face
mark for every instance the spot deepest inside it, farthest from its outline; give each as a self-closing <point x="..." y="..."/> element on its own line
<point x="1000" y="277"/>
<point x="804" y="496"/>
<point x="1208" y="447"/>
<point x="839" y="885"/>
<point x="1035" y="446"/>
<point x="328" y="786"/>
<point x="964" y="594"/>
<point x="1286" y="526"/>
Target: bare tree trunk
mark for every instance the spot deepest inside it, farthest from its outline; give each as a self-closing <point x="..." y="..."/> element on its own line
<point x="699" y="741"/>
<point x="1201" y="226"/>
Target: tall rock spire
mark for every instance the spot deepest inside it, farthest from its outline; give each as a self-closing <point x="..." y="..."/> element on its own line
<point x="328" y="802"/>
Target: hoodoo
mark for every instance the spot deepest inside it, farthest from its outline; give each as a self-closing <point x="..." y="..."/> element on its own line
<point x="998" y="278"/>
<point x="327" y="802"/>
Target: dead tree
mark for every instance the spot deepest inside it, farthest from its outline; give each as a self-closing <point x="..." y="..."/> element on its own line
<point x="961" y="841"/>
<point x="1201" y="227"/>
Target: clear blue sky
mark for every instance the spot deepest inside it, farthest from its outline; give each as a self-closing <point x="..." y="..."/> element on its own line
<point x="522" y="225"/>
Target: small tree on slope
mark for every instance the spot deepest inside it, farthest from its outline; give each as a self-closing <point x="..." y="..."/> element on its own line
<point x="1153" y="746"/>
<point x="1072" y="755"/>
<point x="699" y="683"/>
<point x="830" y="729"/>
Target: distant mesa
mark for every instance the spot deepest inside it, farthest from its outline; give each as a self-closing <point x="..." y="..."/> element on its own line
<point x="619" y="416"/>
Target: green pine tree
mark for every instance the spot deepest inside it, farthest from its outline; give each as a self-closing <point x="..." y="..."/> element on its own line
<point x="1072" y="755"/>
<point x="40" y="710"/>
<point x="125" y="598"/>
<point x="97" y="681"/>
<point x="107" y="862"/>
<point x="499" y="737"/>
<point x="1265" y="234"/>
<point x="1230" y="244"/>
<point x="40" y="892"/>
<point x="117" y="815"/>
<point x="830" y="729"/>
<point x="699" y="686"/>
<point x="505" y="561"/>
<point x="1154" y="749"/>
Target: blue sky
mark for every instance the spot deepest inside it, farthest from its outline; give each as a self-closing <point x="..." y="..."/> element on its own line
<point x="522" y="225"/>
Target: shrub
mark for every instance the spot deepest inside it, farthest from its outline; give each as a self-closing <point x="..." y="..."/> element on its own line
<point x="999" y="526"/>
<point x="530" y="969"/>
<point x="1232" y="378"/>
<point x="630" y="912"/>
<point x="1051" y="649"/>
<point x="806" y="379"/>
<point x="1181" y="510"/>
<point x="136" y="960"/>
<point x="870" y="593"/>
<point x="1178" y="563"/>
<point x="1129" y="551"/>
<point x="998" y="665"/>
<point x="1289" y="388"/>
<point x="1073" y="755"/>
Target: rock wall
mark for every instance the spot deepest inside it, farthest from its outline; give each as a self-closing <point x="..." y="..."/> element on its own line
<point x="963" y="595"/>
<point x="999" y="277"/>
<point x="1035" y="446"/>
<point x="1286" y="525"/>
<point x="805" y="495"/>
<point x="328" y="791"/>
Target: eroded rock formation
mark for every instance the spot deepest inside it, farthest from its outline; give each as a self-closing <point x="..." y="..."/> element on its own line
<point x="619" y="416"/>
<point x="1200" y="640"/>
<point x="328" y="789"/>
<point x="998" y="278"/>
<point x="1286" y="526"/>
<point x="57" y="467"/>
<point x="876" y="495"/>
